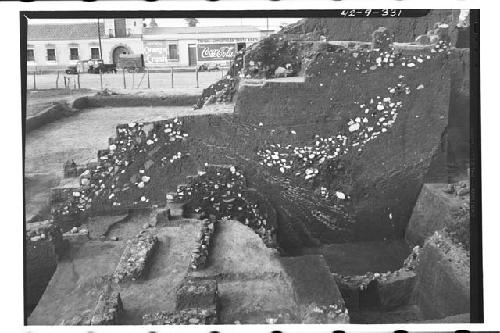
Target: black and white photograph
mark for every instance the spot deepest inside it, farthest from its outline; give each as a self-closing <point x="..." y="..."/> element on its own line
<point x="195" y="168"/>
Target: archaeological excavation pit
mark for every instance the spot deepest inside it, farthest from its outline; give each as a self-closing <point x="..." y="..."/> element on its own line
<point x="320" y="181"/>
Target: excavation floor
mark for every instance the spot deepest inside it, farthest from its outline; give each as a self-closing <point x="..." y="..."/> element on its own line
<point x="76" y="284"/>
<point x="360" y="257"/>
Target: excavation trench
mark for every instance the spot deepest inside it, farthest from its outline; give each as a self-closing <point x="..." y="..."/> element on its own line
<point x="328" y="168"/>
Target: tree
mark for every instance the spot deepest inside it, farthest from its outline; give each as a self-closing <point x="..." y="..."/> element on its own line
<point x="191" y="22"/>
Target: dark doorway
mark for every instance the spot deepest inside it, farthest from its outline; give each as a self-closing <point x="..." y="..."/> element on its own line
<point x="116" y="53"/>
<point x="241" y="46"/>
<point x="192" y="54"/>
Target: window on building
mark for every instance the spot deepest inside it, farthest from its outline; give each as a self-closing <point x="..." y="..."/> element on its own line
<point x="73" y="53"/>
<point x="51" y="54"/>
<point x="94" y="53"/>
<point x="30" y="55"/>
<point x="172" y="52"/>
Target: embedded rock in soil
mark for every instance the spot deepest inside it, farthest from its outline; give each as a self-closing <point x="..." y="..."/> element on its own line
<point x="135" y="258"/>
<point x="197" y="293"/>
<point x="406" y="29"/>
<point x="382" y="39"/>
<point x="108" y="309"/>
<point x="195" y="316"/>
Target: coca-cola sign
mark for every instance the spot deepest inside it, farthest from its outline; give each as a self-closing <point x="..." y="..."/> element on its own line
<point x="216" y="51"/>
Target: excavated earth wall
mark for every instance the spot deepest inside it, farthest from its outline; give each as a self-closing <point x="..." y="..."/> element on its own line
<point x="406" y="29"/>
<point x="379" y="178"/>
<point x="385" y="178"/>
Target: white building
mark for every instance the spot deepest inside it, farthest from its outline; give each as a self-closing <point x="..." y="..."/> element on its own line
<point x="191" y="46"/>
<point x="56" y="46"/>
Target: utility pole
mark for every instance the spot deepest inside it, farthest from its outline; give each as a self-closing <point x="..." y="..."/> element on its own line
<point x="99" y="36"/>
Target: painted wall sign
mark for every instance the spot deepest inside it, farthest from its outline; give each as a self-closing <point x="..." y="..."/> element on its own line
<point x="216" y="51"/>
<point x="155" y="52"/>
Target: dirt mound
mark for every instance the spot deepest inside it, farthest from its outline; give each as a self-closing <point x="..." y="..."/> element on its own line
<point x="406" y="29"/>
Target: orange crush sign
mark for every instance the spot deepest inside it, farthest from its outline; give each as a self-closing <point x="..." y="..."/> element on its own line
<point x="155" y="51"/>
<point x="216" y="51"/>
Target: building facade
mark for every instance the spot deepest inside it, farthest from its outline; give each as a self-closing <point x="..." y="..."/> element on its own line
<point x="192" y="46"/>
<point x="56" y="46"/>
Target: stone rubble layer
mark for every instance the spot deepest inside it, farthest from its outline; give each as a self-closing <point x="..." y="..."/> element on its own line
<point x="135" y="258"/>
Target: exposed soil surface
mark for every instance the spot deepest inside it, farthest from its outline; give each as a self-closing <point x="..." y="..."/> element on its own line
<point x="38" y="101"/>
<point x="79" y="138"/>
<point x="253" y="284"/>
<point x="75" y="286"/>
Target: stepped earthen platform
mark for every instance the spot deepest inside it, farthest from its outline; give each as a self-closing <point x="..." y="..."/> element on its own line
<point x="77" y="282"/>
<point x="253" y="286"/>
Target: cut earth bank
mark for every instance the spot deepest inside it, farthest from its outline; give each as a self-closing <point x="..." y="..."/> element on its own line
<point x="316" y="153"/>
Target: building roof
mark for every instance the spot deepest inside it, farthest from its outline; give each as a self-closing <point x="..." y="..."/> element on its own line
<point x="199" y="30"/>
<point x="76" y="31"/>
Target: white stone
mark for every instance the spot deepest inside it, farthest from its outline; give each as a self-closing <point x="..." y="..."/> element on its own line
<point x="340" y="195"/>
<point x="354" y="127"/>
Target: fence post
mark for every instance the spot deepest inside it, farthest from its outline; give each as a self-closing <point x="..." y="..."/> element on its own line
<point x="197" y="82"/>
<point x="78" y="77"/>
<point x="100" y="77"/>
<point x="57" y="80"/>
<point x="34" y="79"/>
<point x="149" y="84"/>
<point x="124" y="82"/>
<point x="172" y="75"/>
<point x="133" y="79"/>
<point x="221" y="72"/>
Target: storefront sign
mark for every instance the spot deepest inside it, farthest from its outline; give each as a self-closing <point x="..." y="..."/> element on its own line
<point x="228" y="40"/>
<point x="155" y="52"/>
<point x="216" y="51"/>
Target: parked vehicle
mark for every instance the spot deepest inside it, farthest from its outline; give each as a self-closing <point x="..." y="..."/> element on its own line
<point x="98" y="66"/>
<point x="72" y="69"/>
<point x="131" y="62"/>
<point x="209" y="66"/>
